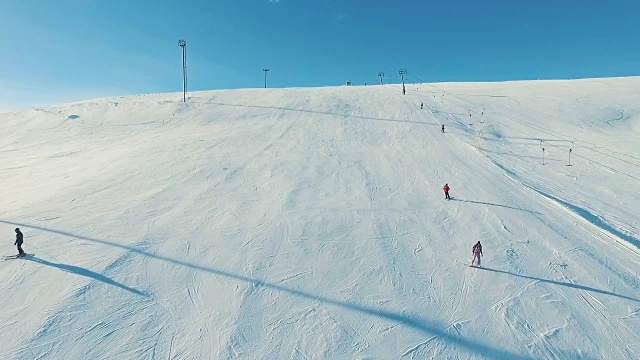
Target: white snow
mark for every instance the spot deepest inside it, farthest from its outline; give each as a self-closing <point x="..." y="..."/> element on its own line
<point x="311" y="223"/>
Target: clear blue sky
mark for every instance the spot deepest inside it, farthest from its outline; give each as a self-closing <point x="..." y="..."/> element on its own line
<point x="66" y="50"/>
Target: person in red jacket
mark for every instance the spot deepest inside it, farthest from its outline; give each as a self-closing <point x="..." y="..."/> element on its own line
<point x="477" y="252"/>
<point x="446" y="191"/>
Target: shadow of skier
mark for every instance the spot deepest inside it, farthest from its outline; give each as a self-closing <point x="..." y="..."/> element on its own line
<point x="86" y="273"/>
<point x="575" y="286"/>
<point x="498" y="205"/>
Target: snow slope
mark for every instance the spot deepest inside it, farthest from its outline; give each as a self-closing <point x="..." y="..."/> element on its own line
<point x="310" y="223"/>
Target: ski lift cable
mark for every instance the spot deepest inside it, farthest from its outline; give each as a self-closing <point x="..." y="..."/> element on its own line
<point x="525" y="133"/>
<point x="594" y="149"/>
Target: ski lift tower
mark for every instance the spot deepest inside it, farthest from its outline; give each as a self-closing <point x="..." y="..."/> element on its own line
<point x="183" y="45"/>
<point x="402" y="73"/>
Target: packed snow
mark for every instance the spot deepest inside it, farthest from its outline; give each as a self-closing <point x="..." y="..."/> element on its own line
<point x="311" y="223"/>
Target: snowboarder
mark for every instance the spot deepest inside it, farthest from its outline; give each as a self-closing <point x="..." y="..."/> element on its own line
<point x="477" y="252"/>
<point x="446" y="191"/>
<point x="443" y="128"/>
<point x="19" y="242"/>
<point x="421" y="105"/>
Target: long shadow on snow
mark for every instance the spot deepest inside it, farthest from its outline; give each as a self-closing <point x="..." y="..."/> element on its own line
<point x="532" y="141"/>
<point x="85" y="272"/>
<point x="575" y="286"/>
<point x="414" y="322"/>
<point x="317" y="112"/>
<point x="593" y="219"/>
<point x="498" y="205"/>
<point x="547" y="158"/>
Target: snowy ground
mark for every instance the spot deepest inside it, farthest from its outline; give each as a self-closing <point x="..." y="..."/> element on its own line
<point x="310" y="223"/>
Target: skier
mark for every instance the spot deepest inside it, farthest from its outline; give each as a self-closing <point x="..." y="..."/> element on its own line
<point x="443" y="128"/>
<point x="477" y="252"/>
<point x="19" y="242"/>
<point x="421" y="105"/>
<point x="446" y="191"/>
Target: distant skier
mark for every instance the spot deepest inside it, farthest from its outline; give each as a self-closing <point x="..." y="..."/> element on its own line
<point x="19" y="242"/>
<point x="421" y="105"/>
<point x="443" y="128"/>
<point x="477" y="252"/>
<point x="446" y="191"/>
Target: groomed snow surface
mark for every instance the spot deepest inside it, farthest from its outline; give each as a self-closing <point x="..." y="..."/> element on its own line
<point x="311" y="223"/>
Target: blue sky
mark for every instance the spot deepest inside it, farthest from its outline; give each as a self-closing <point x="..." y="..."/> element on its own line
<point x="68" y="50"/>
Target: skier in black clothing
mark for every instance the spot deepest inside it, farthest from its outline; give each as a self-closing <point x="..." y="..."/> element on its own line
<point x="19" y="242"/>
<point x="442" y="128"/>
<point x="421" y="105"/>
<point x="477" y="252"/>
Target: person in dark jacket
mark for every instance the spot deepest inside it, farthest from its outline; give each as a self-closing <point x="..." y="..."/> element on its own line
<point x="19" y="242"/>
<point x="446" y="191"/>
<point x="443" y="128"/>
<point x="477" y="252"/>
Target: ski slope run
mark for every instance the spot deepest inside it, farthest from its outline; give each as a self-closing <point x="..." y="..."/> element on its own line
<point x="311" y="223"/>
